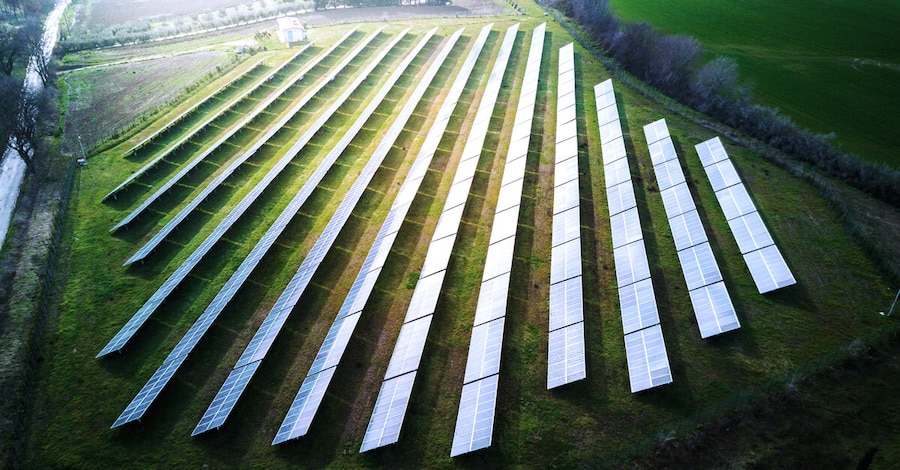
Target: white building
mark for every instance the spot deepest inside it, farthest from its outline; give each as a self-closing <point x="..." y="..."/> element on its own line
<point x="290" y="30"/>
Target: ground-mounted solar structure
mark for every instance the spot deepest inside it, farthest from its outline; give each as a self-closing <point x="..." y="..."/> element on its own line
<point x="645" y="348"/>
<point x="141" y="316"/>
<point x="712" y="304"/>
<point x="765" y="261"/>
<point x="393" y="397"/>
<point x="566" y="361"/>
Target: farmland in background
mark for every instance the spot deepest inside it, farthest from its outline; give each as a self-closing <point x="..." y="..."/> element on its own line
<point x="832" y="66"/>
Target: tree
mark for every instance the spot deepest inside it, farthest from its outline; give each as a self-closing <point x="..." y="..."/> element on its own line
<point x="10" y="49"/>
<point x="24" y="136"/>
<point x="672" y="61"/>
<point x="33" y="40"/>
<point x="716" y="84"/>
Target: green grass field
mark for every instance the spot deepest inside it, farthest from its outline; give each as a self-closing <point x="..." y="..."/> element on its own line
<point x="837" y="298"/>
<point x="831" y="65"/>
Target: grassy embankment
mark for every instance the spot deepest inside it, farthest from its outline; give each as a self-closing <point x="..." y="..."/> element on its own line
<point x="837" y="298"/>
<point x="831" y="66"/>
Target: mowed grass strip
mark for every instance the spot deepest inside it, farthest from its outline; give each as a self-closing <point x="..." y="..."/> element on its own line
<point x="837" y="299"/>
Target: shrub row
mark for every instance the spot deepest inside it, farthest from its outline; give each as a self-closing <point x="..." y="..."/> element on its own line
<point x="675" y="65"/>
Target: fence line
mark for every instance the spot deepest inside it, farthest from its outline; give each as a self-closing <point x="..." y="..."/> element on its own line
<point x="25" y="394"/>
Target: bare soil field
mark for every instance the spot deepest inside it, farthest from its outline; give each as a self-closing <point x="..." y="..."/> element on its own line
<point x="104" y="13"/>
<point x="104" y="99"/>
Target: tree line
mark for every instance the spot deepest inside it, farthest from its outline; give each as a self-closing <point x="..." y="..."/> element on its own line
<point x="21" y="44"/>
<point x="676" y="66"/>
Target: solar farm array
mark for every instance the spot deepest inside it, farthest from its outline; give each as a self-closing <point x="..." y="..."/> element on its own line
<point x="382" y="102"/>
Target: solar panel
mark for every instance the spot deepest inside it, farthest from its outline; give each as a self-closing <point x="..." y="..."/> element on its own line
<point x="617" y="172"/>
<point x="769" y="270"/>
<point x="566" y="116"/>
<point x="638" y="304"/>
<point x="390" y="409"/>
<point x="566" y="132"/>
<point x="510" y="195"/>
<point x="475" y="419"/>
<point x="687" y="230"/>
<point x="566" y="171"/>
<point x="656" y="131"/>
<point x="668" y="174"/>
<point x="604" y="102"/>
<point x="620" y="198"/>
<point x="566" y="95"/>
<point x="603" y="87"/>
<point x="608" y="114"/>
<point x="614" y="150"/>
<point x="518" y="148"/>
<point x="750" y="232"/>
<point x="566" y="303"/>
<point x="565" y="196"/>
<point x="662" y="151"/>
<point x="566" y="226"/>
<point x="699" y="266"/>
<point x="505" y="224"/>
<point x="425" y="296"/>
<point x="335" y="343"/>
<point x="722" y="175"/>
<point x="735" y="201"/>
<point x="515" y="169"/>
<point x="626" y="227"/>
<point x="648" y="362"/>
<point x="711" y="151"/>
<point x="566" y="362"/>
<point x="408" y="348"/>
<point x="566" y="149"/>
<point x="226" y="398"/>
<point x="499" y="258"/>
<point x="484" y="350"/>
<point x="459" y="192"/>
<point x="492" y="299"/>
<point x="303" y="409"/>
<point x="714" y="311"/>
<point x="438" y="256"/>
<point x="565" y="261"/>
<point x="631" y="263"/>
<point x="448" y="224"/>
<point x="677" y="200"/>
<point x="610" y="131"/>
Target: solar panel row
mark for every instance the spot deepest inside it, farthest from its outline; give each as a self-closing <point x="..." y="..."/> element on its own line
<point x="275" y="129"/>
<point x="340" y="332"/>
<point x="485" y="346"/>
<point x="140" y="317"/>
<point x="151" y="390"/>
<point x="339" y="335"/>
<point x="712" y="305"/>
<point x="565" y="353"/>
<point x="152" y="163"/>
<point x="228" y="135"/>
<point x="390" y="406"/>
<point x="405" y="359"/>
<point x="637" y="300"/>
<point x="766" y="264"/>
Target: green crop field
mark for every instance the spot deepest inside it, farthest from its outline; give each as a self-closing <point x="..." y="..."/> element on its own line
<point x="832" y="66"/>
<point x="591" y="422"/>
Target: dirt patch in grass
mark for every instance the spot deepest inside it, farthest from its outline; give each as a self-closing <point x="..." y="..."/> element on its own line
<point x="102" y="100"/>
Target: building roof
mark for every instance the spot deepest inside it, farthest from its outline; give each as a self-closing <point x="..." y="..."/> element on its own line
<point x="289" y="22"/>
